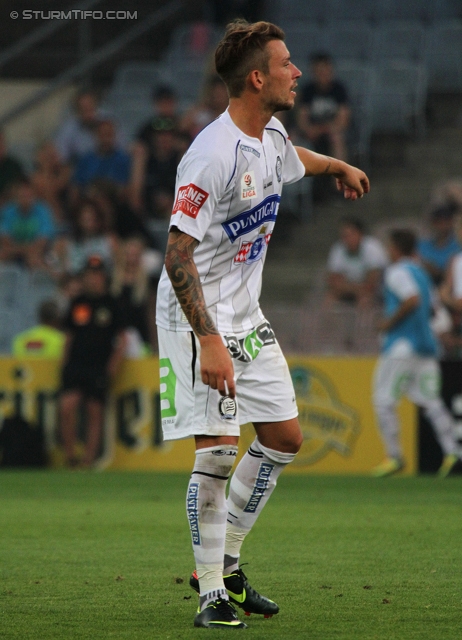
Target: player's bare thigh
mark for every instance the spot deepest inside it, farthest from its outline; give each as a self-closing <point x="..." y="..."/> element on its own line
<point x="203" y="442"/>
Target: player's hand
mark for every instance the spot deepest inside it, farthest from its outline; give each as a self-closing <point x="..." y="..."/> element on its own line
<point x="217" y="366"/>
<point x="353" y="182"/>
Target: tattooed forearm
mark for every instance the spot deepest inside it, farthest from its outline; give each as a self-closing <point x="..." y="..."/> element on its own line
<point x="326" y="170"/>
<point x="185" y="280"/>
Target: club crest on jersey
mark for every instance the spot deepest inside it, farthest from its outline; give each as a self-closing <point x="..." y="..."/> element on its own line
<point x="190" y="200"/>
<point x="279" y="168"/>
<point x="248" y="186"/>
<point x="246" y="221"/>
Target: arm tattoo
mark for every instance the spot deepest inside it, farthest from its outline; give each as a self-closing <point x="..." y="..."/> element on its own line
<point x="183" y="275"/>
<point x="326" y="170"/>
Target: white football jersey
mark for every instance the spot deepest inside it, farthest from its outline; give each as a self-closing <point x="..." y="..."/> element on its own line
<point x="228" y="190"/>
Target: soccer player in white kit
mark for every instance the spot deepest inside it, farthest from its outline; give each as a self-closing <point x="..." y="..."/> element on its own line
<point x="408" y="364"/>
<point x="220" y="363"/>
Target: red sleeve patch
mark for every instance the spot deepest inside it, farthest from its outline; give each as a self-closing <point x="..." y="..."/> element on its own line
<point x="190" y="200"/>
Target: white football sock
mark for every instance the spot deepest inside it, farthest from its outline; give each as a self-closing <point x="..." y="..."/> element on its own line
<point x="251" y="486"/>
<point x="207" y="512"/>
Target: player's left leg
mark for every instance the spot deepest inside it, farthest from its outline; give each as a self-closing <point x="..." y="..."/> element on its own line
<point x="254" y="480"/>
<point x="391" y="378"/>
<point x="252" y="484"/>
<point x="267" y="399"/>
<point x="426" y="393"/>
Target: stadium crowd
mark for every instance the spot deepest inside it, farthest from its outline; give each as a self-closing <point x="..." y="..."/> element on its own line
<point x="93" y="192"/>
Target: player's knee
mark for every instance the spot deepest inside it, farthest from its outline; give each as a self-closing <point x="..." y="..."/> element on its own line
<point x="279" y="456"/>
<point x="217" y="460"/>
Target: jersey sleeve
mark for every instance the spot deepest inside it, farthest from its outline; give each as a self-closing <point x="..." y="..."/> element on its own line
<point x="399" y="280"/>
<point x="200" y="183"/>
<point x="294" y="168"/>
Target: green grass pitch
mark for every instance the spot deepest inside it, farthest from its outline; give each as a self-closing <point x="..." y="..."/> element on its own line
<point x="107" y="555"/>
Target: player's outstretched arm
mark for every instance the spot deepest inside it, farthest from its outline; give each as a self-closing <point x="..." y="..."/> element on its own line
<point x="352" y="181"/>
<point x="216" y="365"/>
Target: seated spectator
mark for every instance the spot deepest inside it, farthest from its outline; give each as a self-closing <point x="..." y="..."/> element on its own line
<point x="11" y="170"/>
<point x="51" y="180"/>
<point x="77" y="135"/>
<point x="324" y="112"/>
<point x="355" y="266"/>
<point x="26" y="227"/>
<point x="164" y="113"/>
<point x="117" y="214"/>
<point x="46" y="340"/>
<point x="324" y="116"/>
<point x="89" y="237"/>
<point x="436" y="251"/>
<point x="155" y="163"/>
<point x="214" y="102"/>
<point x="130" y="287"/>
<point x="108" y="161"/>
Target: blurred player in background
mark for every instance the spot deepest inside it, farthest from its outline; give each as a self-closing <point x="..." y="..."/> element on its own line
<point x="221" y="365"/>
<point x="408" y="364"/>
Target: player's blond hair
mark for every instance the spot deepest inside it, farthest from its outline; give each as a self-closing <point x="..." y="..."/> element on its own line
<point x="243" y="49"/>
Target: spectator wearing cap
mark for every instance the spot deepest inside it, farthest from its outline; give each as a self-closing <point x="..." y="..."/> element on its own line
<point x="94" y="350"/>
<point x="26" y="227"/>
<point x="436" y="251"/>
<point x="107" y="162"/>
<point x="355" y="266"/>
<point x="46" y="340"/>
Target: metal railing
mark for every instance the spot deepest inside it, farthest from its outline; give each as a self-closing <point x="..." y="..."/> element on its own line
<point x="89" y="61"/>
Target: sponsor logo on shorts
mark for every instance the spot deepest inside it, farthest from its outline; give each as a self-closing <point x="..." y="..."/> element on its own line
<point x="190" y="200"/>
<point x="228" y="408"/>
<point x="248" y="186"/>
<point x="241" y="224"/>
<point x="247" y="349"/>
<point x="244" y="147"/>
<point x="193" y="512"/>
<point x="260" y="486"/>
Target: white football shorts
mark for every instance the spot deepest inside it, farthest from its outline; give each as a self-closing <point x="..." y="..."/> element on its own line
<point x="264" y="389"/>
<point x="417" y="377"/>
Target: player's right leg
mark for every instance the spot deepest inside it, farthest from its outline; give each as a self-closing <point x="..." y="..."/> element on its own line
<point x="391" y="378"/>
<point x="190" y="408"/>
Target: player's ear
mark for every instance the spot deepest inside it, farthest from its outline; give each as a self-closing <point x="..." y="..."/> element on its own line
<point x="255" y="80"/>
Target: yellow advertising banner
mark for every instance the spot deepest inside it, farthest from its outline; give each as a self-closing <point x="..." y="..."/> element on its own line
<point x="333" y="396"/>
